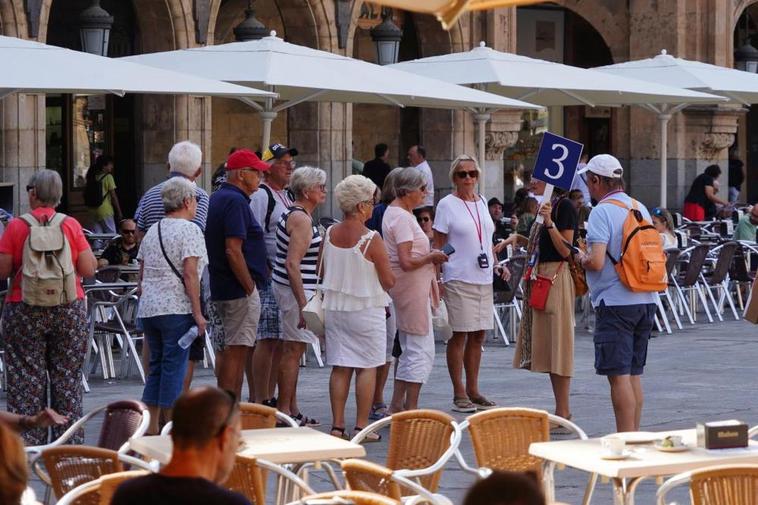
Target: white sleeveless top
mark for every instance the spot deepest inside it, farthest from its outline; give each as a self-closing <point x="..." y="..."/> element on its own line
<point x="350" y="280"/>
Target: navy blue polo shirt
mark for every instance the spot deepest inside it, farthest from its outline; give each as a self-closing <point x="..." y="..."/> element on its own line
<point x="229" y="215"/>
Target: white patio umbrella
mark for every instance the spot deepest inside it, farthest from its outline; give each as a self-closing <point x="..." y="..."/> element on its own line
<point x="32" y="67"/>
<point x="735" y="85"/>
<point x="299" y="74"/>
<point x="544" y="82"/>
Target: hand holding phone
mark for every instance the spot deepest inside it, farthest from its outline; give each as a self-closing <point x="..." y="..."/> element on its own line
<point x="448" y="249"/>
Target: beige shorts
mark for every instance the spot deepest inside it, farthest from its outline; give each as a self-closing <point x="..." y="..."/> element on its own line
<point x="469" y="306"/>
<point x="290" y="315"/>
<point x="239" y="318"/>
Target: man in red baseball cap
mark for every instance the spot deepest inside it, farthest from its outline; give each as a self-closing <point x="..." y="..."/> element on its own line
<point x="237" y="263"/>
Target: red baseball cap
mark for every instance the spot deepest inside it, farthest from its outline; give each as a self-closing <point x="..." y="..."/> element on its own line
<point x="244" y="158"/>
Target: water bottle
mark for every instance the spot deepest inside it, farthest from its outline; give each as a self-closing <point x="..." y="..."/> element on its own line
<point x="186" y="340"/>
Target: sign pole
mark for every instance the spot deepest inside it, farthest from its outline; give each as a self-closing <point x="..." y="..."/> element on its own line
<point x="546" y="196"/>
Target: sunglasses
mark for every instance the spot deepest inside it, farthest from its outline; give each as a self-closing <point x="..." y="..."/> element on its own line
<point x="462" y="174"/>
<point x="657" y="211"/>
<point x="232" y="409"/>
<point x="423" y="219"/>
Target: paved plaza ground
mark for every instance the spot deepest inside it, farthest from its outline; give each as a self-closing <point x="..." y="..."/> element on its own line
<point x="705" y="372"/>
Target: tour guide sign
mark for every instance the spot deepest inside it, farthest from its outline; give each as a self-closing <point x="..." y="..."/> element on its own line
<point x="556" y="164"/>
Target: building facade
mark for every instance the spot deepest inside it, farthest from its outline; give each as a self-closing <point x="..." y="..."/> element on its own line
<point x="65" y="132"/>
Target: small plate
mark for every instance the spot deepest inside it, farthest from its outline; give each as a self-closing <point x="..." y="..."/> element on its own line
<point x="637" y="437"/>
<point x="614" y="457"/>
<point x="676" y="448"/>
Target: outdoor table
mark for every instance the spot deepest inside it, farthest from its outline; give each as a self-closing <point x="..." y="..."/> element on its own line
<point x="644" y="461"/>
<point x="300" y="447"/>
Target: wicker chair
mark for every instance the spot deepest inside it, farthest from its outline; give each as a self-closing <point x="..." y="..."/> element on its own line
<point x="69" y="466"/>
<point x="718" y="485"/>
<point x="501" y="439"/>
<point x="122" y="421"/>
<point x="254" y="416"/>
<point x="346" y="498"/>
<point x="421" y="442"/>
<point x="248" y="477"/>
<point x="100" y="491"/>
<point x="362" y="475"/>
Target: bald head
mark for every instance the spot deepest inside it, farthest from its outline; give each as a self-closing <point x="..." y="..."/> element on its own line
<point x="200" y="415"/>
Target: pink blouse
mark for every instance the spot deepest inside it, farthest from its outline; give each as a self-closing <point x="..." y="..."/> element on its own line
<point x="411" y="288"/>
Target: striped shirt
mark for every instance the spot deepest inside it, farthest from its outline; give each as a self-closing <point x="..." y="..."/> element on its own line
<point x="150" y="208"/>
<point x="307" y="264"/>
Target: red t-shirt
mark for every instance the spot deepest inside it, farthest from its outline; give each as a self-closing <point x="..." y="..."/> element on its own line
<point x="12" y="242"/>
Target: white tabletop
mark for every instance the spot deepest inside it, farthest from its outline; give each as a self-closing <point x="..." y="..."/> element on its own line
<point x="277" y="445"/>
<point x="645" y="460"/>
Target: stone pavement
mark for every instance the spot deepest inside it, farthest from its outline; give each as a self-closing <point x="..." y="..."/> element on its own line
<point x="705" y="372"/>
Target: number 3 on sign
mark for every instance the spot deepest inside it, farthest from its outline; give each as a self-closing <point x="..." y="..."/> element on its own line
<point x="558" y="161"/>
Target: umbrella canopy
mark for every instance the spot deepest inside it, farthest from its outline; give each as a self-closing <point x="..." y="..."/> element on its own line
<point x="32" y="67"/>
<point x="736" y="85"/>
<point x="300" y="74"/>
<point x="545" y="82"/>
<point x="548" y="83"/>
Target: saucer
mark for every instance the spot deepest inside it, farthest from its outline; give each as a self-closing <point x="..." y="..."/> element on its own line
<point x="676" y="448"/>
<point x="637" y="437"/>
<point x="613" y="457"/>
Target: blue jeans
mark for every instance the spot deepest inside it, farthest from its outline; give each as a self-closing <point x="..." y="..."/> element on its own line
<point x="168" y="361"/>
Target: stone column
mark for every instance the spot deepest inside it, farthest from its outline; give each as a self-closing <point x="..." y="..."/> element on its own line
<point x="502" y="133"/>
<point x="23" y="143"/>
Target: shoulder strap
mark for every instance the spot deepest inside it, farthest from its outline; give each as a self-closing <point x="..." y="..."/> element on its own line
<point x="618" y="203"/>
<point x="270" y="205"/>
<point x="163" y="250"/>
<point x="57" y="219"/>
<point x="29" y="219"/>
<point x="365" y="242"/>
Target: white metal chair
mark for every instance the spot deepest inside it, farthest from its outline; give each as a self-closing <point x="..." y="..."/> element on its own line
<point x="508" y="302"/>
<point x="718" y="278"/>
<point x="501" y="438"/>
<point x="93" y="491"/>
<point x="362" y="475"/>
<point x="716" y="485"/>
<point x="690" y="281"/>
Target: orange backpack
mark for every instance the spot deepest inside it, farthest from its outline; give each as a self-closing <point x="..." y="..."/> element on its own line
<point x="642" y="264"/>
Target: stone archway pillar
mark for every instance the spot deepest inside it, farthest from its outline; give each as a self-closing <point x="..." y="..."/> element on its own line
<point x="502" y="133"/>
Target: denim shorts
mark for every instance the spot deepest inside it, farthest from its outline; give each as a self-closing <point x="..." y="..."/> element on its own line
<point x="168" y="361"/>
<point x="621" y="336"/>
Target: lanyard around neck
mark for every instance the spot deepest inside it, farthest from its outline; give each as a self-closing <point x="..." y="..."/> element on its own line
<point x="477" y="221"/>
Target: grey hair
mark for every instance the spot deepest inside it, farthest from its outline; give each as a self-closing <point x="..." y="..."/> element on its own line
<point x="353" y="190"/>
<point x="175" y="191"/>
<point x="305" y="177"/>
<point x="388" y="189"/>
<point x="457" y="162"/>
<point x="48" y="187"/>
<point x="406" y="180"/>
<point x="185" y="158"/>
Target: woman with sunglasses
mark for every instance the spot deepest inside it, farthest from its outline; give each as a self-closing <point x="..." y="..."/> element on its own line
<point x="463" y="222"/>
<point x="425" y="218"/>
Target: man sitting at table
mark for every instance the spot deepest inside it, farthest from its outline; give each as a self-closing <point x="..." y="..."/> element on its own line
<point x="205" y="437"/>
<point x="121" y="250"/>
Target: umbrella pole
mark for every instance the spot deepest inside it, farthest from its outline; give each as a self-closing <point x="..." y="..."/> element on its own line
<point x="268" y="118"/>
<point x="664" y="124"/>
<point x="482" y="118"/>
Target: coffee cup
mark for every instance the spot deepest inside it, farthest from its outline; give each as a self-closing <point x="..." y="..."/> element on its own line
<point x="613" y="445"/>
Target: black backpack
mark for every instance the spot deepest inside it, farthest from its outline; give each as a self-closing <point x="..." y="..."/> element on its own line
<point x="93" y="193"/>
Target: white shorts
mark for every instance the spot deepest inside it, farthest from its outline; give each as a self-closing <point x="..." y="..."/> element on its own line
<point x="290" y="315"/>
<point x="416" y="362"/>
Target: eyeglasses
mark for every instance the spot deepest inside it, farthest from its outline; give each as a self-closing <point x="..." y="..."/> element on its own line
<point x="422" y="188"/>
<point x="424" y="219"/>
<point x="29" y="188"/>
<point x="462" y="174"/>
<point x="290" y="163"/>
<point x="322" y="188"/>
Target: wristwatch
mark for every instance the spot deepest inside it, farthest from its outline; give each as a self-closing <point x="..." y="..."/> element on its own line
<point x="549" y="227"/>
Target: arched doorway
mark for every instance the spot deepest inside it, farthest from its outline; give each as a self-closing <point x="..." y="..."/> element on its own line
<point x="236" y="124"/>
<point x="80" y="128"/>
<point x="745" y="147"/>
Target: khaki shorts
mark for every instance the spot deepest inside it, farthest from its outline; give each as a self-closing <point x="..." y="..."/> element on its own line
<point x="290" y="315"/>
<point x="239" y="318"/>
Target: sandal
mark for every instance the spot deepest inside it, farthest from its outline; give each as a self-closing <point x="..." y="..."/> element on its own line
<point x="463" y="405"/>
<point x="340" y="433"/>
<point x="378" y="411"/>
<point x="306" y="421"/>
<point x="482" y="403"/>
<point x="370" y="438"/>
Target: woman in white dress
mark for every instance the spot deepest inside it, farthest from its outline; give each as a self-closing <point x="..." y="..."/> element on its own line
<point x="356" y="276"/>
